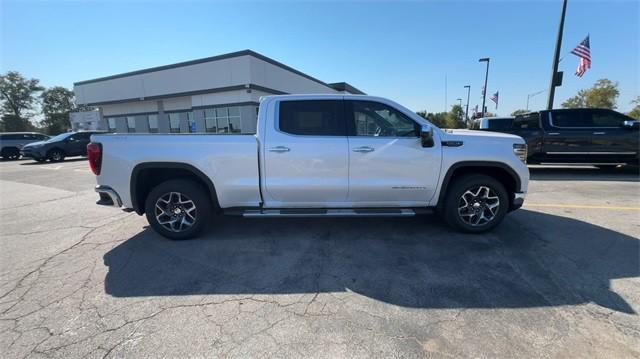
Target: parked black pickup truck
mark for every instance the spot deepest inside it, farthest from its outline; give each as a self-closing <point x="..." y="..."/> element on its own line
<point x="601" y="137"/>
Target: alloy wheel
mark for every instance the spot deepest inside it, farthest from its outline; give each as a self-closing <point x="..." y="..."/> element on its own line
<point x="478" y="206"/>
<point x="175" y="211"/>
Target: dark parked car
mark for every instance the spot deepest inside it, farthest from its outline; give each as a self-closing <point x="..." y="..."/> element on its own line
<point x="600" y="137"/>
<point x="12" y="142"/>
<point x="59" y="147"/>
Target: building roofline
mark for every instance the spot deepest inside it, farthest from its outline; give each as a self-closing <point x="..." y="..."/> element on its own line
<point x="203" y="60"/>
<point x="343" y="86"/>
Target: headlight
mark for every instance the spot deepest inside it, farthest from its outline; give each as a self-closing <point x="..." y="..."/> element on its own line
<point x="520" y="150"/>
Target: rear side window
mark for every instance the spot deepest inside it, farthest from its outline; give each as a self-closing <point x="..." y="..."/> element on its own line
<point x="500" y="124"/>
<point x="312" y="118"/>
<point x="527" y="122"/>
<point x="570" y="119"/>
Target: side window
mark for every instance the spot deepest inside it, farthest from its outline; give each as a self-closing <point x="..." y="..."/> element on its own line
<point x="527" y="122"/>
<point x="570" y="119"/>
<point x="312" y="118"/>
<point x="500" y="124"/>
<point x="606" y="119"/>
<point x="379" y="120"/>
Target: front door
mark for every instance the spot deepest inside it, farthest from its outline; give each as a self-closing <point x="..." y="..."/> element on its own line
<point x="387" y="164"/>
<point x="306" y="155"/>
<point x="568" y="136"/>
<point x="611" y="141"/>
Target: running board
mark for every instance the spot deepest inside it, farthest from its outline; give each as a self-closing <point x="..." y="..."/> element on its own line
<point x="391" y="212"/>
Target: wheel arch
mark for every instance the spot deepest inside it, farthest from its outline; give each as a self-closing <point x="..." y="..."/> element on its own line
<point x="502" y="172"/>
<point x="145" y="176"/>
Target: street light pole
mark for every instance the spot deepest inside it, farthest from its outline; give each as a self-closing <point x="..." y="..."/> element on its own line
<point x="555" y="77"/>
<point x="532" y="95"/>
<point x="486" y="78"/>
<point x="466" y="112"/>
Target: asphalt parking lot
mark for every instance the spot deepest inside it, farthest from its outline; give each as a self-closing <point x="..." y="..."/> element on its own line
<point x="559" y="278"/>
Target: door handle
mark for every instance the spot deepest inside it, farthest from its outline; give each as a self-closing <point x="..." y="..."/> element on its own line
<point x="364" y="149"/>
<point x="599" y="133"/>
<point x="553" y="133"/>
<point x="279" y="149"/>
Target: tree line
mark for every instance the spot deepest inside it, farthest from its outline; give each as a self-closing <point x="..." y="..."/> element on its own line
<point x="603" y="94"/>
<point x="22" y="99"/>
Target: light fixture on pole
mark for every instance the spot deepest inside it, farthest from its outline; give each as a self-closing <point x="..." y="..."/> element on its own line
<point x="486" y="79"/>
<point x="532" y="95"/>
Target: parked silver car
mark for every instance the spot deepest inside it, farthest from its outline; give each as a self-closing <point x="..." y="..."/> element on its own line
<point x="12" y="142"/>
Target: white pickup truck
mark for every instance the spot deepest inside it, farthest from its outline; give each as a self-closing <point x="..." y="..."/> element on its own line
<point x="314" y="155"/>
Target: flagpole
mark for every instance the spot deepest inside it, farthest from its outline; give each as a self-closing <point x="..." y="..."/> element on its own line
<point x="556" y="56"/>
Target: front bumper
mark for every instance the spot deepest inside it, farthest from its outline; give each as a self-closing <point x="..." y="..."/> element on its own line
<point x="518" y="200"/>
<point x="28" y="152"/>
<point x="108" y="197"/>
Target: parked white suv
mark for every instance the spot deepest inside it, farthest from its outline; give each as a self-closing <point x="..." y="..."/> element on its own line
<point x="314" y="155"/>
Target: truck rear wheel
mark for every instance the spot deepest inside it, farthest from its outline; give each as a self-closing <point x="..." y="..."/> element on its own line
<point x="475" y="204"/>
<point x="178" y="209"/>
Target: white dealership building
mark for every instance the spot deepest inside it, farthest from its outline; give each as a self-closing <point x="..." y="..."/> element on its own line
<point x="217" y="94"/>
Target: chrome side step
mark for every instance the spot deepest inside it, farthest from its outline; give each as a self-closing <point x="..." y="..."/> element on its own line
<point x="391" y="212"/>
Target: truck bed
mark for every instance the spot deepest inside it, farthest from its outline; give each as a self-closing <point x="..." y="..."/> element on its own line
<point x="231" y="161"/>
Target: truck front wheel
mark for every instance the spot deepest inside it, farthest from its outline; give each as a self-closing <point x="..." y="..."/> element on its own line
<point x="178" y="209"/>
<point x="475" y="203"/>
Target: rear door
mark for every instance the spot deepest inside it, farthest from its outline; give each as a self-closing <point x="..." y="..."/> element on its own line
<point x="568" y="136"/>
<point x="612" y="142"/>
<point x="387" y="164"/>
<point x="306" y="158"/>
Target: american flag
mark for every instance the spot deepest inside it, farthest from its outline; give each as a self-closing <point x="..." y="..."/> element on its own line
<point x="583" y="51"/>
<point x="494" y="98"/>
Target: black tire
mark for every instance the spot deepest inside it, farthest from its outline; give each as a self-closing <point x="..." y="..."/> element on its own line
<point x="460" y="218"/>
<point x="56" y="155"/>
<point x="177" y="229"/>
<point x="10" y="153"/>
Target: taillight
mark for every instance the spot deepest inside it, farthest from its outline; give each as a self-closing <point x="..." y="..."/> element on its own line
<point x="94" y="152"/>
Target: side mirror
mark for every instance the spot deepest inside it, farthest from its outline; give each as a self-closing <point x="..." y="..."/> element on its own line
<point x="426" y="136"/>
<point x="632" y="125"/>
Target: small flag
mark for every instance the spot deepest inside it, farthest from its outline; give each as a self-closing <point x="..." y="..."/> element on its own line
<point x="583" y="51"/>
<point x="494" y="98"/>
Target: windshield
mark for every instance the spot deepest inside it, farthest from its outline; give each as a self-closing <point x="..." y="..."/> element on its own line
<point x="59" y="137"/>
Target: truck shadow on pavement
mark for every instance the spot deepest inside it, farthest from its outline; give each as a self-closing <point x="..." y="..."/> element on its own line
<point x="531" y="260"/>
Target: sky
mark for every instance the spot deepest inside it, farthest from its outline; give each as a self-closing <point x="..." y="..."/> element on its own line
<point x="402" y="50"/>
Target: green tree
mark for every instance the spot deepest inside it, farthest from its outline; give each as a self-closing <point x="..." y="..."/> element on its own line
<point x="603" y="94"/>
<point x="519" y="112"/>
<point x="13" y="123"/>
<point x="451" y="119"/>
<point x="635" y="112"/>
<point x="18" y="94"/>
<point x="57" y="103"/>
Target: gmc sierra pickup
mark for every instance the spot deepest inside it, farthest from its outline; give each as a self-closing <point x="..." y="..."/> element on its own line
<point x="314" y="155"/>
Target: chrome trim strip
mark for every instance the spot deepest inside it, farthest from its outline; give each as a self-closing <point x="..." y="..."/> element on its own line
<point x="591" y="153"/>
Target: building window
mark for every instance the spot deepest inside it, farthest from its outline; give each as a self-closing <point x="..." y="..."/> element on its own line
<point x="153" y="123"/>
<point x="111" y="122"/>
<point x="131" y="123"/>
<point x="222" y="120"/>
<point x="176" y="118"/>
